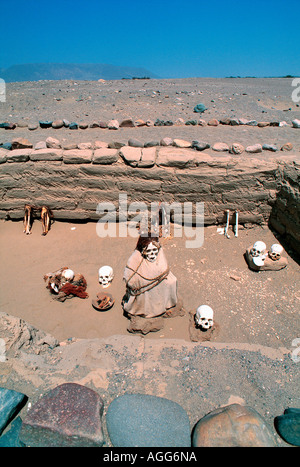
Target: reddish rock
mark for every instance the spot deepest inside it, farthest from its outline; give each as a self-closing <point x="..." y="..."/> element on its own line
<point x="232" y="426"/>
<point x="68" y="416"/>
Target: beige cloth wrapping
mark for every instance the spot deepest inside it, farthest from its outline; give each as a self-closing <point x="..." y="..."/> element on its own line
<point x="145" y="297"/>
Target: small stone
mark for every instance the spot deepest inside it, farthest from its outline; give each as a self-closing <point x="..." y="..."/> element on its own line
<point x="83" y="126"/>
<point x="67" y="416"/>
<point x="103" y="124"/>
<point x="100" y="144"/>
<point x="270" y="147"/>
<point x="73" y="126"/>
<point x="142" y="420"/>
<point x="296" y="123"/>
<point x="180" y="143"/>
<point x="9" y="126"/>
<point x="45" y="123"/>
<point x="200" y="108"/>
<point x="282" y="124"/>
<point x="166" y="141"/>
<point x="94" y="125"/>
<point x="32" y="126"/>
<point x="22" y="124"/>
<point x="179" y="122"/>
<point x="225" y="121"/>
<point x="66" y="123"/>
<point x="191" y="122"/>
<point x="135" y="143"/>
<point x="105" y="156"/>
<point x="236" y="148"/>
<point x="199" y="145"/>
<point x="113" y="125"/>
<point x="287" y="147"/>
<point x="149" y="123"/>
<point x="274" y="123"/>
<point x="202" y="123"/>
<point x="21" y="143"/>
<point x="70" y="146"/>
<point x="220" y="147"/>
<point x="151" y="144"/>
<point x="53" y="143"/>
<point x="116" y="145"/>
<point x="243" y="121"/>
<point x="234" y="122"/>
<point x="85" y="146"/>
<point x="213" y="122"/>
<point x="127" y="123"/>
<point x="263" y="124"/>
<point x="57" y="124"/>
<point x="40" y="145"/>
<point x="252" y="123"/>
<point x="255" y="148"/>
<point x="232" y="426"/>
<point x="139" y="122"/>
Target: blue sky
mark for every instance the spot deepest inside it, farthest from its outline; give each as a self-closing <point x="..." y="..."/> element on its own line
<point x="173" y="39"/>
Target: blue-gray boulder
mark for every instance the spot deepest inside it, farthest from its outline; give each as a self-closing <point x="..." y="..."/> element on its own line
<point x="200" y="108"/>
<point x="11" y="438"/>
<point x="288" y="426"/>
<point x="141" y="420"/>
<point x="11" y="402"/>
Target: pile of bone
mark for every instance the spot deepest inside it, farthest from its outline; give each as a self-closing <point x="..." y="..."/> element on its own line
<point x="259" y="259"/>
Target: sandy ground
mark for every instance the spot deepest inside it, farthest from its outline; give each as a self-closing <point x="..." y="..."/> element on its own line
<point x="258" y="308"/>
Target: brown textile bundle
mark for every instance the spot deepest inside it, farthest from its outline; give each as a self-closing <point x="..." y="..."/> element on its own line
<point x="71" y="289"/>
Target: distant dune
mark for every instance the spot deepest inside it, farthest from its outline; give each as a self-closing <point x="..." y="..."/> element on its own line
<point x="61" y="71"/>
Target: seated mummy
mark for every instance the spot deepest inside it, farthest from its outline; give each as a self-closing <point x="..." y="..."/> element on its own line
<point x="259" y="259"/>
<point x="151" y="289"/>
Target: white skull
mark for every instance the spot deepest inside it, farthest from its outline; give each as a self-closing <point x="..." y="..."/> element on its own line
<point x="275" y="252"/>
<point x="258" y="249"/>
<point x="68" y="274"/>
<point x="106" y="276"/>
<point x="151" y="252"/>
<point x="204" y="317"/>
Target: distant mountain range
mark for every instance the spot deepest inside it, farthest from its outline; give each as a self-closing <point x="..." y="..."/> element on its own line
<point x="61" y="71"/>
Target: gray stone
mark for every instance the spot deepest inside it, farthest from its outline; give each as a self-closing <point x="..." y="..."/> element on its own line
<point x="67" y="416"/>
<point x="19" y="155"/>
<point x="135" y="143"/>
<point x="21" y="143"/>
<point x="113" y="125"/>
<point x="236" y="148"/>
<point x="200" y="145"/>
<point x="53" y="143"/>
<point x="32" y="126"/>
<point x="141" y="420"/>
<point x="296" y="123"/>
<point x="127" y="123"/>
<point x="151" y="144"/>
<point x="57" y="124"/>
<point x="270" y="147"/>
<point x="166" y="141"/>
<point x="47" y="154"/>
<point x="11" y="402"/>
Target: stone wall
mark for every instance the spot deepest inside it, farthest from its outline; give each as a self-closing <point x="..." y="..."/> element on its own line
<point x="72" y="183"/>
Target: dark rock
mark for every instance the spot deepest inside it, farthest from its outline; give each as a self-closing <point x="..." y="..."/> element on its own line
<point x="11" y="402"/>
<point x="225" y="121"/>
<point x="191" y="122"/>
<point x="151" y="144"/>
<point x="10" y="126"/>
<point x="141" y="420"/>
<point x="45" y="123"/>
<point x="94" y="125"/>
<point x="103" y="124"/>
<point x="11" y="438"/>
<point x="288" y="426"/>
<point x="234" y="121"/>
<point x="270" y="147"/>
<point x="159" y="122"/>
<point x="127" y="123"/>
<point x="200" y="146"/>
<point x="21" y="143"/>
<point x="232" y="426"/>
<point x="68" y="416"/>
<point x="73" y="126"/>
<point x="135" y="143"/>
<point x="274" y="123"/>
<point x="200" y="108"/>
<point x="7" y="146"/>
<point x="83" y="126"/>
<point x="116" y="145"/>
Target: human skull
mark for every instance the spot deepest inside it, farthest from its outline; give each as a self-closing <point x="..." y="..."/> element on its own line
<point x="275" y="252"/>
<point x="258" y="249"/>
<point x="204" y="317"/>
<point x="106" y="276"/>
<point x="151" y="252"/>
<point x="68" y="274"/>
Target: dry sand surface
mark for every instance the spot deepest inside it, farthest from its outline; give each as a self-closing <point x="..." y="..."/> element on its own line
<point x="250" y="307"/>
